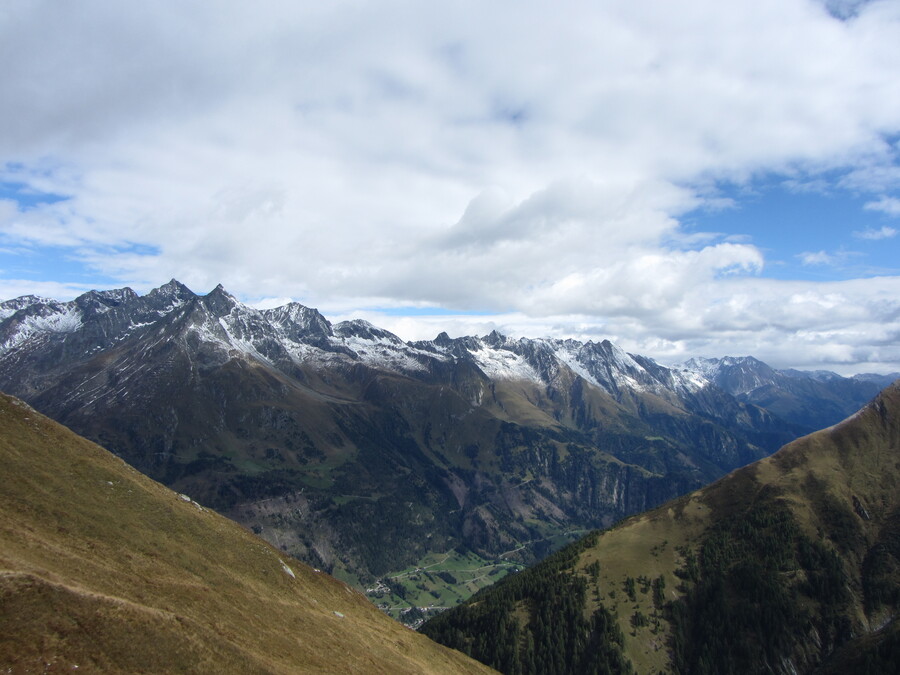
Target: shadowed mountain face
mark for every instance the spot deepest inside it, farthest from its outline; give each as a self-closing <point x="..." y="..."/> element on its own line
<point x="105" y="570"/>
<point x="789" y="565"/>
<point x="358" y="452"/>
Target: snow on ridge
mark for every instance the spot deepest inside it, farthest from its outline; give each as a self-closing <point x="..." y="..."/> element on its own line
<point x="239" y="336"/>
<point x="701" y="366"/>
<point x="384" y="352"/>
<point x="618" y="368"/>
<point x="691" y="378"/>
<point x="363" y="330"/>
<point x="61" y="322"/>
<point x="304" y="336"/>
<point x="297" y="315"/>
<point x="570" y="357"/>
<point x="10" y="307"/>
<point x="6" y="312"/>
<point x="302" y="352"/>
<point x="504" y="364"/>
<point x="67" y="321"/>
<point x="209" y="335"/>
<point x="168" y="309"/>
<point x="228" y="339"/>
<point x="623" y="359"/>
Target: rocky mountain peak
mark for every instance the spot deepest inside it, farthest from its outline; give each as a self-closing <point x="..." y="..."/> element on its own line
<point x="168" y="296"/>
<point x="362" y="329"/>
<point x="102" y="301"/>
<point x="219" y="301"/>
<point x="298" y="320"/>
<point x="10" y="307"/>
<point x="443" y="340"/>
<point x="494" y="339"/>
<point x="174" y="289"/>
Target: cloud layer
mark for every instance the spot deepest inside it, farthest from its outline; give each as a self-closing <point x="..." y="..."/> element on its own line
<point x="529" y="160"/>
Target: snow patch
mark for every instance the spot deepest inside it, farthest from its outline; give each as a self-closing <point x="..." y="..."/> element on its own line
<point x="569" y="357"/>
<point x="693" y="379"/>
<point x="61" y="322"/>
<point x="384" y="353"/>
<point x="504" y="364"/>
<point x="10" y="307"/>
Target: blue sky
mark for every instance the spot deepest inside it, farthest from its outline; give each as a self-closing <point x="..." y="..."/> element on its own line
<point x="807" y="234"/>
<point x="686" y="179"/>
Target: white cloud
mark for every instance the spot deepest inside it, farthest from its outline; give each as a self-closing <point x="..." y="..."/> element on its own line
<point x="530" y="160"/>
<point x="883" y="232"/>
<point x="816" y="258"/>
<point x="14" y="288"/>
<point x="888" y="205"/>
<point x="271" y="303"/>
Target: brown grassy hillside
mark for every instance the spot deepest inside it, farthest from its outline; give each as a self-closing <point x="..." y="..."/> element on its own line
<point x="104" y="570"/>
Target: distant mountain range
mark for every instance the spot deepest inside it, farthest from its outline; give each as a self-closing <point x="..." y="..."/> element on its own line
<point x="789" y="565"/>
<point x="361" y="453"/>
<point x="103" y="570"/>
<point x="812" y="399"/>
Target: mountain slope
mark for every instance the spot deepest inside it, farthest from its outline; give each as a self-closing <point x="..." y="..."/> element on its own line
<point x="358" y="452"/>
<point x="104" y="570"/>
<point x="811" y="399"/>
<point x="789" y="565"/>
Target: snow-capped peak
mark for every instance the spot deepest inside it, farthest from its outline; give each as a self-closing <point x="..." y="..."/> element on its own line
<point x="363" y="330"/>
<point x="293" y="335"/>
<point x="10" y="307"/>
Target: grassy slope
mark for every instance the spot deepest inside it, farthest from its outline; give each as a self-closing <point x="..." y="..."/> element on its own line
<point x="858" y="458"/>
<point x="102" y="568"/>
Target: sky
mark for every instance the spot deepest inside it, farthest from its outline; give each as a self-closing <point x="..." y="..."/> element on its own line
<point x="684" y="178"/>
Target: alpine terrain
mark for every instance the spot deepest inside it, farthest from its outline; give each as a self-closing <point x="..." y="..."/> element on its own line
<point x="812" y="399"/>
<point x="103" y="570"/>
<point x="419" y="471"/>
<point x="789" y="565"/>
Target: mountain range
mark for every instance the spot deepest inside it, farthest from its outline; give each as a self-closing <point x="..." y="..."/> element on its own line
<point x="812" y="399"/>
<point x="788" y="565"/>
<point x="362" y="454"/>
<point x="104" y="570"/>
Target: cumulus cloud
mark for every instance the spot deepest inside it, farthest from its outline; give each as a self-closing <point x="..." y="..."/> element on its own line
<point x="874" y="234"/>
<point x="531" y="161"/>
<point x="888" y="205"/>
